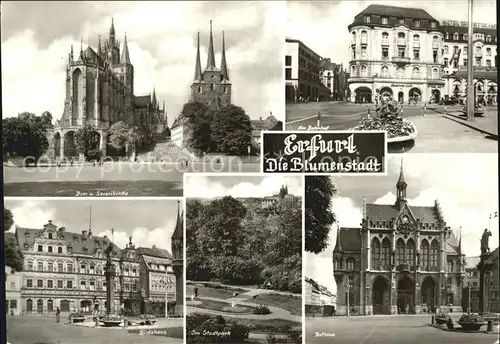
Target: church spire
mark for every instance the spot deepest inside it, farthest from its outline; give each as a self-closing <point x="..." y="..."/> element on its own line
<point x="211" y="54"/>
<point x="71" y="53"/>
<point x="197" y="68"/>
<point x="125" y="58"/>
<point x="112" y="31"/>
<point x="81" y="48"/>
<point x="338" y="246"/>
<point x="401" y="186"/>
<point x="99" y="49"/>
<point x="178" y="231"/>
<point x="223" y="66"/>
<point x="460" y="241"/>
<point x="153" y="101"/>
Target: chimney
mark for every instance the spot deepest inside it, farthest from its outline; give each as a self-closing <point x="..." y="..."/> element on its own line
<point x="84" y="233"/>
<point x="154" y="247"/>
<point x="260" y="118"/>
<point x="62" y="229"/>
<point x="105" y="238"/>
<point x="50" y="222"/>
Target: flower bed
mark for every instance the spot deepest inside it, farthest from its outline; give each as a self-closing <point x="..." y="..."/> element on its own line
<point x="471" y="322"/>
<point x="112" y="320"/>
<point x="441" y="319"/>
<point x="147" y="319"/>
<point x="388" y="118"/>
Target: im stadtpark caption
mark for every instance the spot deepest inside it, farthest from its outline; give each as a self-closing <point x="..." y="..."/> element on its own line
<point x="328" y="152"/>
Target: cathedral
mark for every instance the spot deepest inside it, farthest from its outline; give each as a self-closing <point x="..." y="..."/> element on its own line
<point x="100" y="92"/>
<point x="403" y="259"/>
<point x="212" y="86"/>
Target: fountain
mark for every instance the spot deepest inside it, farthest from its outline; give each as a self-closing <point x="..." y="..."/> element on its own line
<point x="111" y="319"/>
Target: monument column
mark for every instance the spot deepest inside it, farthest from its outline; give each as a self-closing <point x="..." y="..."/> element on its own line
<point x="110" y="274"/>
<point x="485" y="265"/>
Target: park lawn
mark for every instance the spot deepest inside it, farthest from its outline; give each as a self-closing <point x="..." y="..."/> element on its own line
<point x="220" y="305"/>
<point x="289" y="303"/>
<point x="220" y="293"/>
<point x="273" y="326"/>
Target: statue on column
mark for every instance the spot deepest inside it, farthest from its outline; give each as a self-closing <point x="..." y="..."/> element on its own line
<point x="484" y="242"/>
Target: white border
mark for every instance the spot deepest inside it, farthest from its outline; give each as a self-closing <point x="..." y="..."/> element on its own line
<point x="325" y="132"/>
<point x="184" y="303"/>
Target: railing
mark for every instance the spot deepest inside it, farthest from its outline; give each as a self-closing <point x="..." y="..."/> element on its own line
<point x="353" y="42"/>
<point x="364" y="40"/>
<point x="435" y="44"/>
<point x="416" y="44"/>
<point x="385" y="42"/>
<point x="400" y="59"/>
<point x="401" y="41"/>
<point x="478" y="54"/>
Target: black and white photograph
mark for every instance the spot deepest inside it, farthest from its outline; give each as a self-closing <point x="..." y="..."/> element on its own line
<point x="122" y="98"/>
<point x="94" y="271"/>
<point x="410" y="257"/>
<point x="243" y="258"/>
<point x="424" y="71"/>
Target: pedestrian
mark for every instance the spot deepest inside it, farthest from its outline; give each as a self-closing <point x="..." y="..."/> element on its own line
<point x="71" y="161"/>
<point x="195" y="291"/>
<point x="58" y="314"/>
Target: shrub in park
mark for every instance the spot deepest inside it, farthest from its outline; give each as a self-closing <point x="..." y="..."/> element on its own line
<point x="261" y="310"/>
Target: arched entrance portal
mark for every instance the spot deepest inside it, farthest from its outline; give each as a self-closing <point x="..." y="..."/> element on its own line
<point x="380" y="297"/>
<point x="86" y="306"/>
<point x="406" y="296"/>
<point x="401" y="97"/>
<point x="57" y="144"/>
<point x="415" y="95"/>
<point x="69" y="144"/>
<point x="363" y="95"/>
<point x="64" y="306"/>
<point x="428" y="291"/>
<point x="436" y="96"/>
<point x="386" y="92"/>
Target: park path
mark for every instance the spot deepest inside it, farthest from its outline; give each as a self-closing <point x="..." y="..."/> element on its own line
<point x="276" y="312"/>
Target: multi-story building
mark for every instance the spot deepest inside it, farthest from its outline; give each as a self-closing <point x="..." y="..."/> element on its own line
<point x="403" y="259"/>
<point x="66" y="270"/>
<point x="471" y="284"/>
<point x="302" y="67"/>
<point x="269" y="123"/>
<point x="13" y="283"/>
<point x="333" y="76"/>
<point x="100" y="92"/>
<point x="210" y="86"/>
<point x="396" y="51"/>
<point x="318" y="299"/>
<point x="157" y="280"/>
<point x="281" y="200"/>
<point x="455" y="56"/>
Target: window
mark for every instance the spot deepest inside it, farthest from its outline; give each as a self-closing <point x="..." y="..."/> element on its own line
<point x="416" y="54"/>
<point x="364" y="37"/>
<point x="50" y="267"/>
<point x="288" y="73"/>
<point x="449" y="298"/>
<point x="465" y="50"/>
<point x="69" y="268"/>
<point x="336" y="265"/>
<point x="488" y="38"/>
<point x="50" y="235"/>
<point x="416" y="73"/>
<point x="353" y="71"/>
<point x="375" y="254"/>
<point x="13" y="304"/>
<point x="353" y="38"/>
<point x="350" y="264"/>
<point x="446" y="50"/>
<point x="40" y="248"/>
<point x="367" y="19"/>
<point x="446" y="62"/>
<point x="364" y="71"/>
<point x="447" y="35"/>
<point x="435" y="56"/>
<point x="12" y="285"/>
<point x="433" y="25"/>
<point x="488" y="63"/>
<point x="450" y="266"/>
<point x="465" y="36"/>
<point x="455" y="36"/>
<point x="354" y="53"/>
<point x="50" y="305"/>
<point x="27" y="234"/>
<point x="39" y="283"/>
<point x="134" y="272"/>
<point x="29" y="283"/>
<point x="400" y="248"/>
<point x="50" y="284"/>
<point x="385" y="20"/>
<point x="416" y="38"/>
<point x="417" y="23"/>
<point x="401" y="21"/>
<point x="83" y="285"/>
<point x="288" y="60"/>
<point x="386" y="253"/>
<point x="29" y="265"/>
<point x="385" y="38"/>
<point x="363" y="52"/>
<point x="83" y="269"/>
<point x="60" y="284"/>
<point x="59" y="249"/>
<point x="385" y="53"/>
<point x="92" y="285"/>
<point x="127" y="286"/>
<point x="488" y="51"/>
<point x="40" y="266"/>
<point x="401" y="52"/>
<point x="92" y="269"/>
<point x="433" y="261"/>
<point x="26" y="246"/>
<point x="478" y="62"/>
<point x="69" y="284"/>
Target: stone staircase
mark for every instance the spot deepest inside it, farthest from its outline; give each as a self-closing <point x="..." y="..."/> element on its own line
<point x="165" y="151"/>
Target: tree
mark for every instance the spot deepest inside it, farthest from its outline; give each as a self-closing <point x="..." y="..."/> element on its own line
<point x="25" y="135"/>
<point x="86" y="139"/>
<point x="231" y="130"/>
<point x="122" y="136"/>
<point x="318" y="215"/>
<point x="8" y="219"/>
<point x="13" y="254"/>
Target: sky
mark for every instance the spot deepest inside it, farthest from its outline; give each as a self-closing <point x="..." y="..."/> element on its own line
<point x="36" y="39"/>
<point x="322" y="25"/>
<point x="200" y="186"/>
<point x="149" y="221"/>
<point x="466" y="186"/>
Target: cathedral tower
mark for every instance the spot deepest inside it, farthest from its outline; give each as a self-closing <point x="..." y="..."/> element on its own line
<point x="212" y="86"/>
<point x="401" y="188"/>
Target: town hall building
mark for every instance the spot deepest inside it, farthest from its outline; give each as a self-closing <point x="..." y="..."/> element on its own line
<point x="403" y="259"/>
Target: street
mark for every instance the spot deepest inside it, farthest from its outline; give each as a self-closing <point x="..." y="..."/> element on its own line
<point x="112" y="179"/>
<point x="437" y="132"/>
<point x="412" y="329"/>
<point x="44" y="330"/>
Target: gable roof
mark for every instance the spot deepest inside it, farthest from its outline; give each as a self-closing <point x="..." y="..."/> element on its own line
<point x="349" y="239"/>
<point x="395" y="11"/>
<point x="142" y="101"/>
<point x="154" y="252"/>
<point x="384" y="212"/>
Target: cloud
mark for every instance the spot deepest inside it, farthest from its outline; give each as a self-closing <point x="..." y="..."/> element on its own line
<point x="32" y="214"/>
<point x="322" y="25"/>
<point x="162" y="45"/>
<point x="208" y="187"/>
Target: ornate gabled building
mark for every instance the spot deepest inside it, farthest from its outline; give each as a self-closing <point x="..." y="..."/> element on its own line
<point x="66" y="270"/>
<point x="402" y="259"/>
<point x="99" y="92"/>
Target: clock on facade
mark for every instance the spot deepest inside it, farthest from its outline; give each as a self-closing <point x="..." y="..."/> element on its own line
<point x="405" y="219"/>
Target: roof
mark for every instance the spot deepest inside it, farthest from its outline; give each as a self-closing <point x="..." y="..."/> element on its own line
<point x="384" y="212"/>
<point x="154" y="252"/>
<point x="349" y="239"/>
<point x="487" y="74"/>
<point x="142" y="101"/>
<point x="77" y="240"/>
<point x="461" y="30"/>
<point x="451" y="245"/>
<point x="300" y="43"/>
<point x="179" y="227"/>
<point x="395" y="11"/>
<point x="265" y="124"/>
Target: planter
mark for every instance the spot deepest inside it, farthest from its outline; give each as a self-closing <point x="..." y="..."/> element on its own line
<point x="78" y="319"/>
<point x="441" y="321"/>
<point x="410" y="137"/>
<point x="471" y="326"/>
<point x="111" y="323"/>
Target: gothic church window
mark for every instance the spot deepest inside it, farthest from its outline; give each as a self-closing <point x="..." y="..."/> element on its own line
<point x="375" y="254"/>
<point x="386" y="254"/>
<point x="212" y="87"/>
<point x="410" y="252"/>
<point x="400" y="254"/>
<point x="433" y="261"/>
<point x="350" y="264"/>
<point x="425" y="255"/>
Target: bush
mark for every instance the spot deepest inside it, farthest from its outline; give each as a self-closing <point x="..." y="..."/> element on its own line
<point x="94" y="154"/>
<point x="261" y="310"/>
<point x="471" y="319"/>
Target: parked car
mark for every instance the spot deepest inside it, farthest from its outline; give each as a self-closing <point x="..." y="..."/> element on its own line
<point x="448" y="101"/>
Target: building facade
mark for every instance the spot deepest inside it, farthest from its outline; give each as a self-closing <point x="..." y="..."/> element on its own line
<point x="471" y="284"/>
<point x="318" y="299"/>
<point x="455" y="56"/>
<point x="403" y="259"/>
<point x="13" y="283"/>
<point x="302" y="71"/>
<point x="396" y="51"/>
<point x="282" y="200"/>
<point x="100" y="92"/>
<point x="334" y="77"/>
